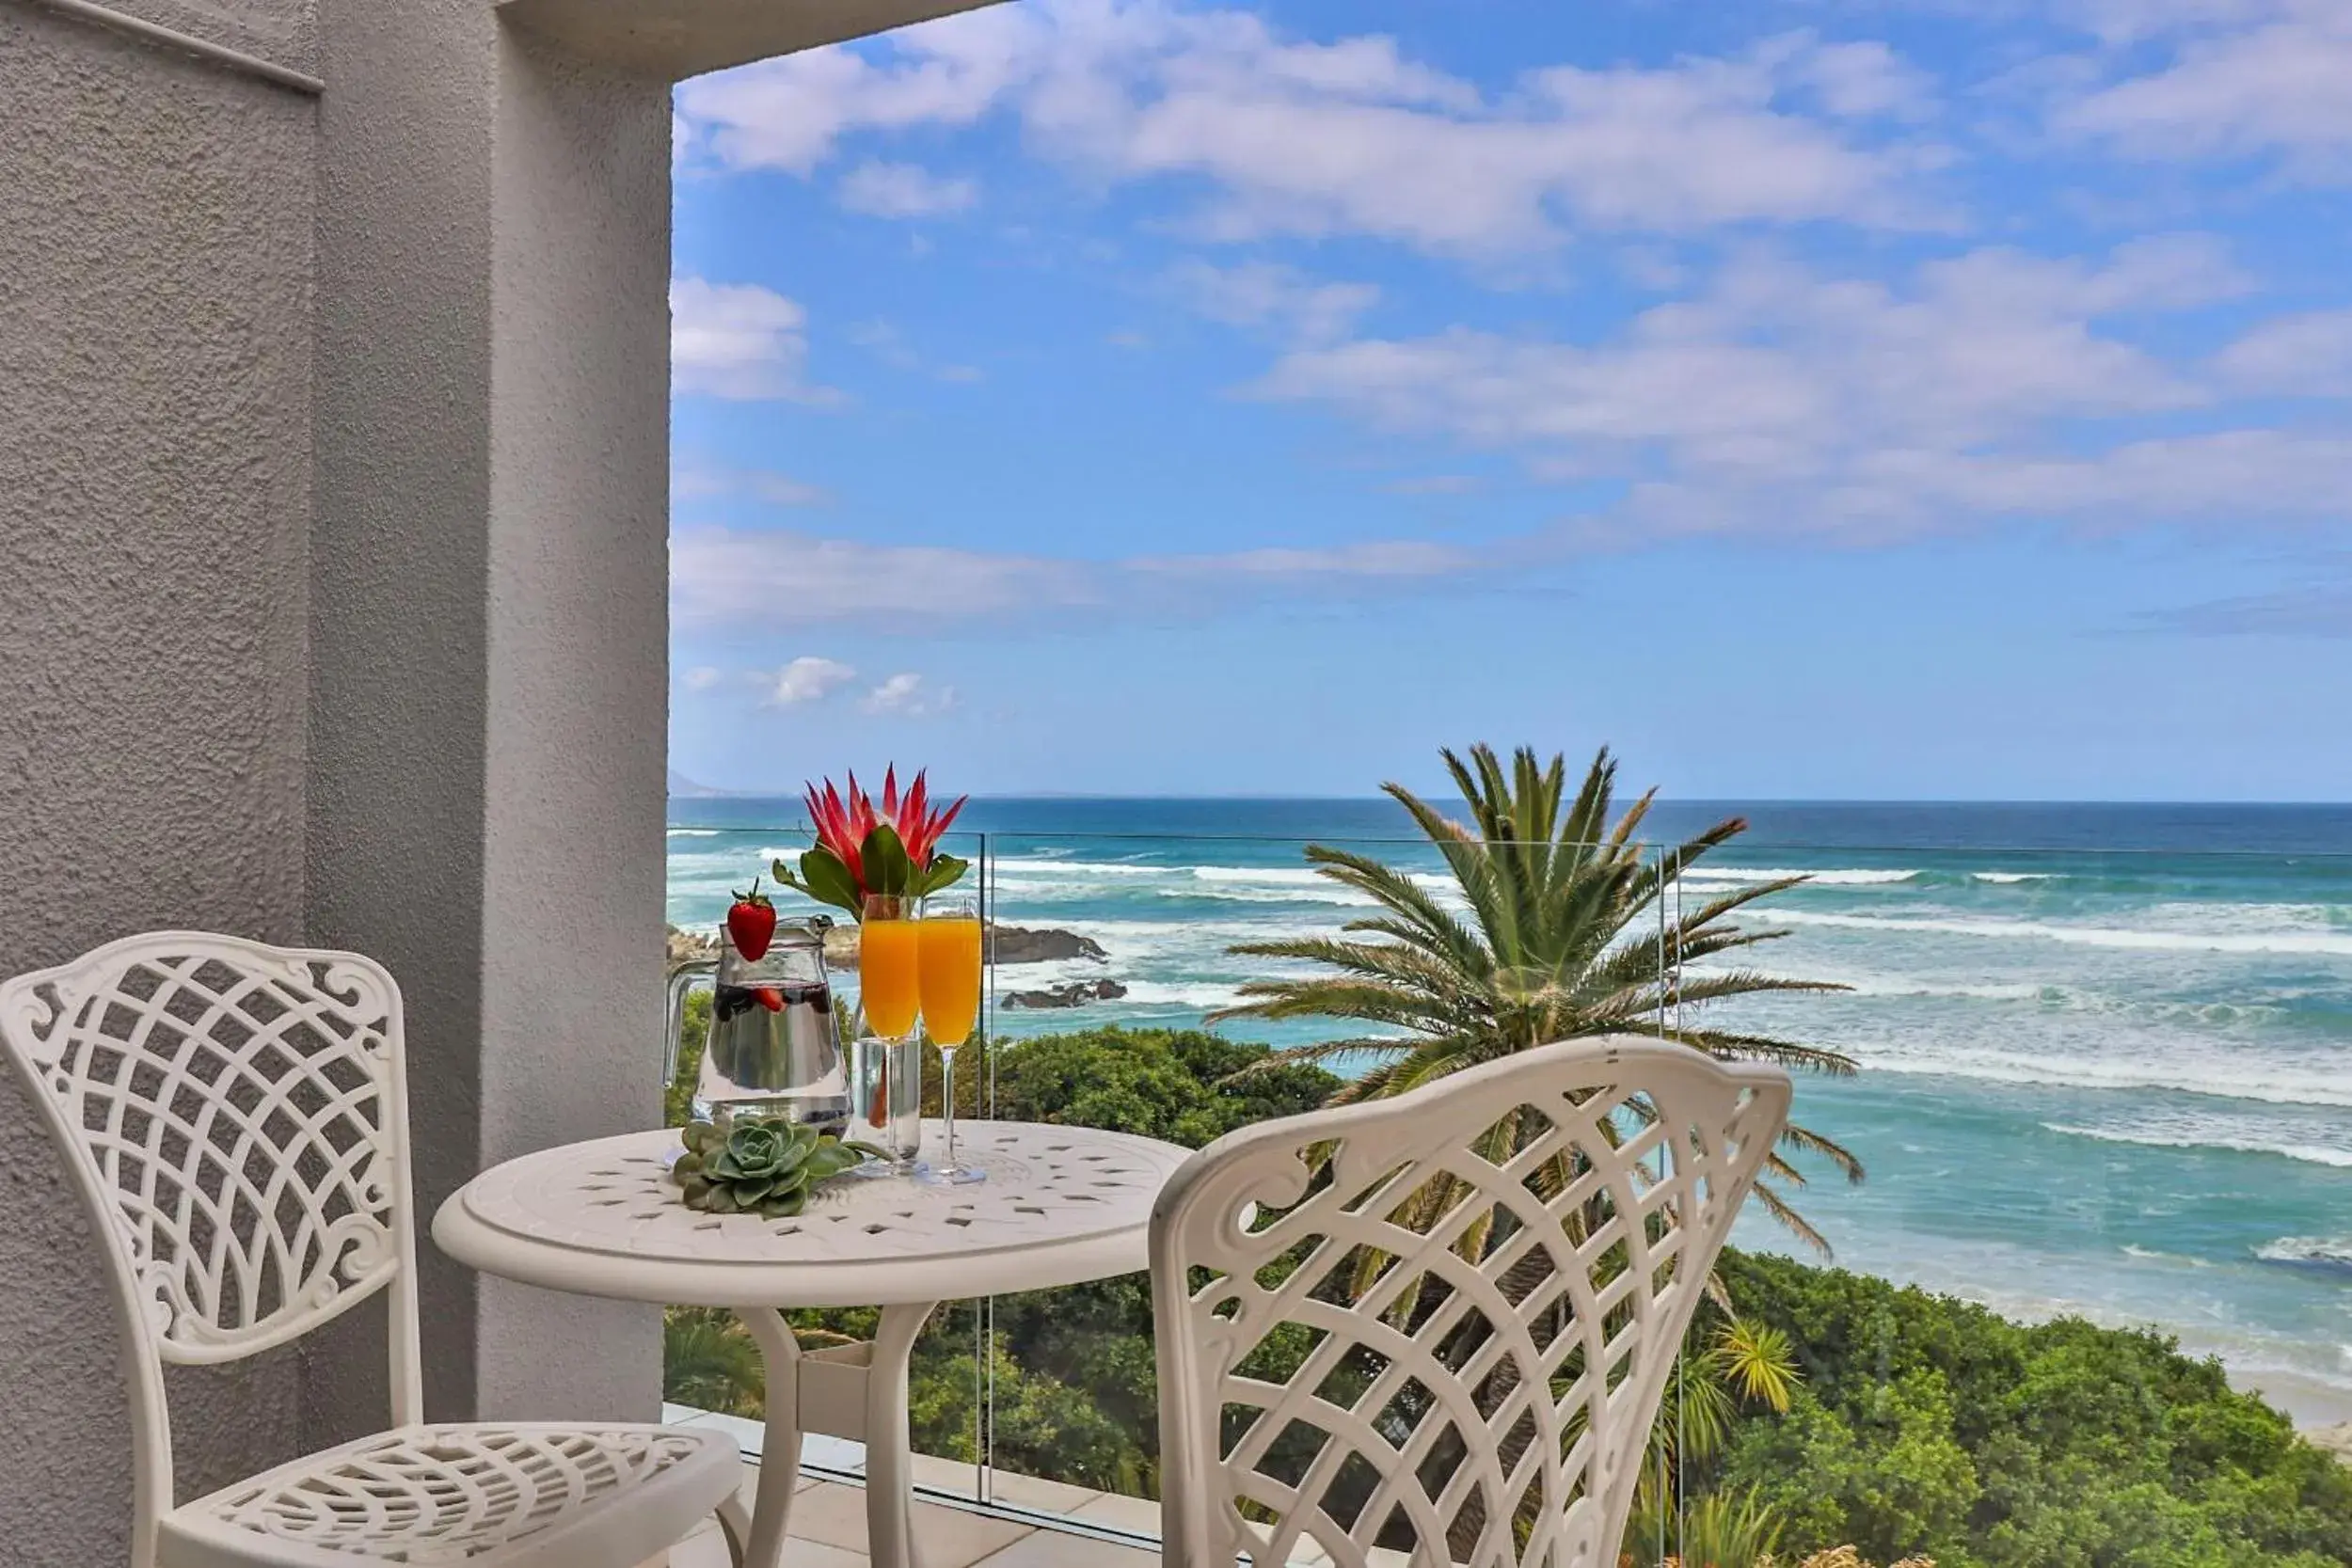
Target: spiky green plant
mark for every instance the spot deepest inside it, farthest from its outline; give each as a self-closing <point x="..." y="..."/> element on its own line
<point x="1725" y="1530"/>
<point x="1564" y="936"/>
<point x="711" y="1362"/>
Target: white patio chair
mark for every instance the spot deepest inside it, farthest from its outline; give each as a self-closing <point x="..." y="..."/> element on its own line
<point x="235" y="1119"/>
<point x="1477" y="1290"/>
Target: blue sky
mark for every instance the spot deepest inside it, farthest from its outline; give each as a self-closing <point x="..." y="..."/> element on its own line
<point x="1807" y="399"/>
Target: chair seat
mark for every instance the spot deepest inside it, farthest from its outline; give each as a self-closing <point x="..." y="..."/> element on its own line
<point x="506" y="1496"/>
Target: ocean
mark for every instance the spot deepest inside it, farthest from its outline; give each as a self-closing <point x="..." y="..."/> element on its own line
<point x="2106" y="1050"/>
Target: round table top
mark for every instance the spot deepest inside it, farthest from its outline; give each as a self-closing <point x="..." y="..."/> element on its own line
<point x="1061" y="1204"/>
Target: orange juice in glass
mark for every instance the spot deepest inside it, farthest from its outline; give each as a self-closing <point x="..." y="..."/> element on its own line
<point x="889" y="966"/>
<point x="949" y="947"/>
<point x="949" y="940"/>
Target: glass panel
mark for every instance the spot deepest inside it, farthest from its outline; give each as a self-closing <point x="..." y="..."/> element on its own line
<point x="716" y="847"/>
<point x="2105" y="1108"/>
<point x="2104" y="1086"/>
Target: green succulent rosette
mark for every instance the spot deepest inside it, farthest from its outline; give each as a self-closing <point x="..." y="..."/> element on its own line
<point x="758" y="1167"/>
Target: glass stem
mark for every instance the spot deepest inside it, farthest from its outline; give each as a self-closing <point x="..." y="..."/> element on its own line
<point x="948" y="1098"/>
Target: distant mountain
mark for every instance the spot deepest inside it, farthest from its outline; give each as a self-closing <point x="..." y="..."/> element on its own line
<point x="684" y="788"/>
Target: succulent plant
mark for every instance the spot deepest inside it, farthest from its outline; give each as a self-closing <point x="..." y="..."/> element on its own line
<point x="758" y="1167"/>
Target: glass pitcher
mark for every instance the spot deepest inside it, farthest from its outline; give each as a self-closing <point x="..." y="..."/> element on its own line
<point x="775" y="1049"/>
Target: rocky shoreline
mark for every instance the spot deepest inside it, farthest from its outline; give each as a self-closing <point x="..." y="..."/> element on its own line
<point x="1075" y="995"/>
<point x="1009" y="944"/>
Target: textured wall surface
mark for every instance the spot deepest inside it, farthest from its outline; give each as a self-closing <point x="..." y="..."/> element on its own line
<point x="579" y="673"/>
<point x="489" y="624"/>
<point x="333" y="495"/>
<point x="155" y="258"/>
<point x="397" y="607"/>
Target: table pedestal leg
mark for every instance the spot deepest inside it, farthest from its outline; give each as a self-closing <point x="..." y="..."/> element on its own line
<point x="889" y="1465"/>
<point x="758" y="1541"/>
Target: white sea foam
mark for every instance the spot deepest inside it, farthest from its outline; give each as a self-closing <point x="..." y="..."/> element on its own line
<point x="2220" y="1077"/>
<point x="2327" y="942"/>
<point x="1834" y="878"/>
<point x="2184" y="1132"/>
<point x="2006" y="878"/>
<point x="693" y="832"/>
<point x="1327" y="893"/>
<point x="1203" y="994"/>
<point x="1279" y="876"/>
<point x="2327" y="1252"/>
<point x="1084" y="869"/>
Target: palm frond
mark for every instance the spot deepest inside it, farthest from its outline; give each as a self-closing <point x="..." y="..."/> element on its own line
<point x="1564" y="929"/>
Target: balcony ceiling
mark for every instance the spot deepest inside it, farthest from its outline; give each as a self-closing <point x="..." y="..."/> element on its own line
<point x="676" y="38"/>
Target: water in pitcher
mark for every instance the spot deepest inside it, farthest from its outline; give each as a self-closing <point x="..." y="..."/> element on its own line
<point x="775" y="1047"/>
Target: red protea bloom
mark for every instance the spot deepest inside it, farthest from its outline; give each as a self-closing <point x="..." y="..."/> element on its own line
<point x="843" y="820"/>
<point x="919" y="827"/>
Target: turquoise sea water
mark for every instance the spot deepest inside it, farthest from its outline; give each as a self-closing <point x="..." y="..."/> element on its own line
<point x="2106" y="1050"/>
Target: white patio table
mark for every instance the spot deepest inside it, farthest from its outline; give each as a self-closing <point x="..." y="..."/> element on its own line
<point x="1061" y="1204"/>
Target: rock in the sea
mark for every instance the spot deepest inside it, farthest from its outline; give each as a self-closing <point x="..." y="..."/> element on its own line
<point x="1017" y="944"/>
<point x="686" y="946"/>
<point x="1013" y="945"/>
<point x="1075" y="995"/>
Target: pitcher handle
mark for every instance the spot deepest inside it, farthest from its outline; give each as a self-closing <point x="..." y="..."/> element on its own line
<point x="682" y="979"/>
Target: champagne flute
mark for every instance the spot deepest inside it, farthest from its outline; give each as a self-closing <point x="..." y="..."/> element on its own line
<point x="889" y="1068"/>
<point x="948" y="941"/>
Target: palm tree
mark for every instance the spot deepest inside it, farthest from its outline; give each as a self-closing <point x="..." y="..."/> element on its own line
<point x="1567" y="934"/>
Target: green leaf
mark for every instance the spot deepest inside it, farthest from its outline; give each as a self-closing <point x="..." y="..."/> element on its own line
<point x="823" y="878"/>
<point x="943" y="871"/>
<point x="831" y="1161"/>
<point x="884" y="856"/>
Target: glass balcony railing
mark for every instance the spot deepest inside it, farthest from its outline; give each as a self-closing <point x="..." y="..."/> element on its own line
<point x="2054" y="1274"/>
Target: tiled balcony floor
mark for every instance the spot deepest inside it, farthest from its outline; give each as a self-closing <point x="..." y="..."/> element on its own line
<point x="829" y="1531"/>
<point x="828" y="1526"/>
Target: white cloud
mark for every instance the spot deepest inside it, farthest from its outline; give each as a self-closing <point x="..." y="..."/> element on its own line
<point x="1278" y="298"/>
<point x="701" y="678"/>
<point x="694" y="482"/>
<point x="809" y="679"/>
<point x="1351" y="137"/>
<point x="1780" y="401"/>
<point x="904" y="191"/>
<point x="2129" y="21"/>
<point x="2279" y="87"/>
<point x="2312" y="608"/>
<point x="739" y="340"/>
<point x="725" y="577"/>
<point x="2305" y="355"/>
<point x="908" y="696"/>
<point x="887" y="343"/>
<point x="1864" y="80"/>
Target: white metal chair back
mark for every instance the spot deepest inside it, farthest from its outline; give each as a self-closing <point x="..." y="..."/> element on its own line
<point x="234" y="1116"/>
<point x="1439" y="1325"/>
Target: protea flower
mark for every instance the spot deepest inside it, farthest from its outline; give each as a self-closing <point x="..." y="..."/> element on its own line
<point x="860" y="849"/>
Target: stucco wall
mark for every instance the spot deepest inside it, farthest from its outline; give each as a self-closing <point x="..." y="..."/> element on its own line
<point x="333" y="499"/>
<point x="489" y="691"/>
<point x="155" y="247"/>
<point x="578" y="689"/>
